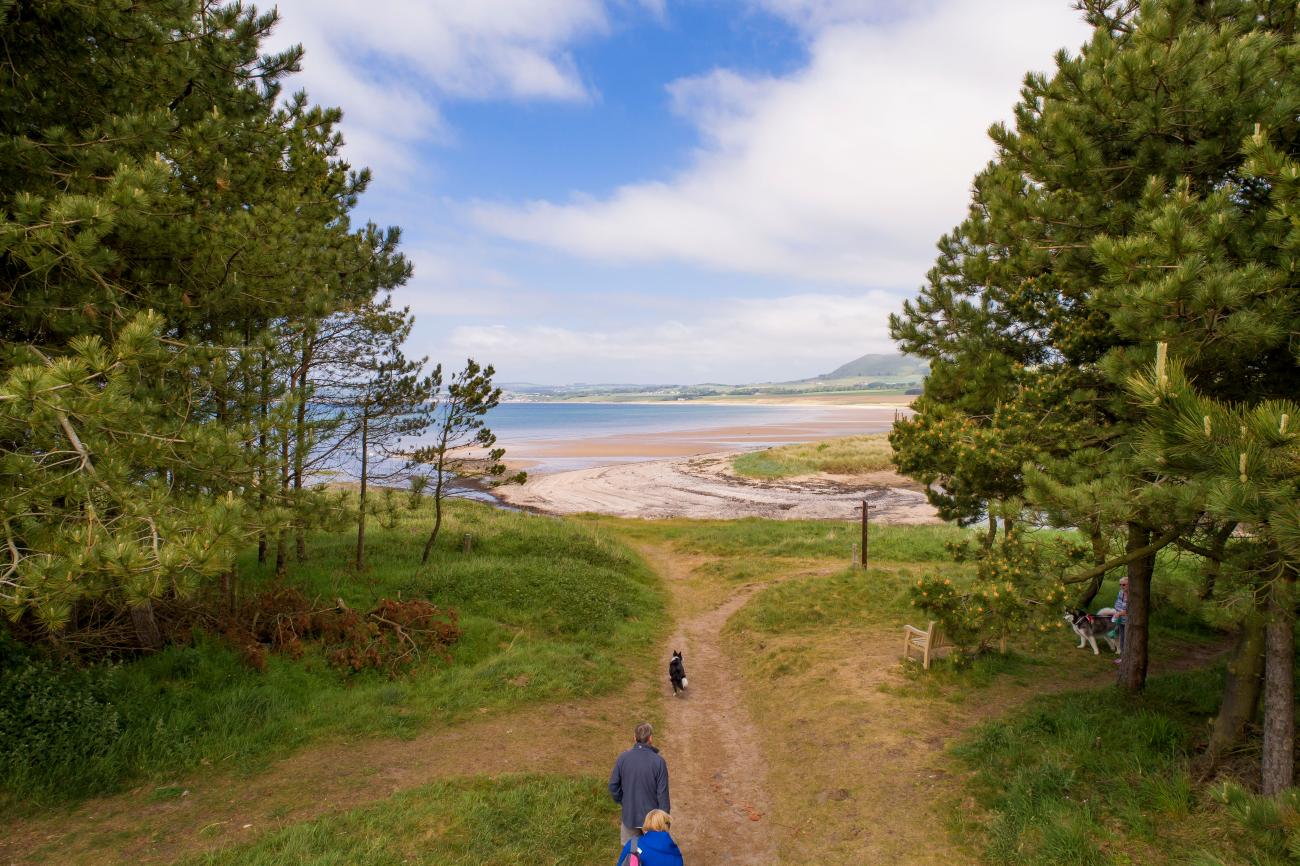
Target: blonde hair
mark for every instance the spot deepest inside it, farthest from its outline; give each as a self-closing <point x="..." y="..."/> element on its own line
<point x="656" y="819"/>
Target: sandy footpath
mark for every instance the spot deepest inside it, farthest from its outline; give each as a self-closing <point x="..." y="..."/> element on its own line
<point x="703" y="486"/>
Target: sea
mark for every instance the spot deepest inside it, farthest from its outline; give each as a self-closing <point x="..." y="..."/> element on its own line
<point x="544" y="438"/>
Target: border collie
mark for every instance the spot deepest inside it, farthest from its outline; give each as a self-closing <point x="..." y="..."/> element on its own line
<point x="1089" y="627"/>
<point x="677" y="673"/>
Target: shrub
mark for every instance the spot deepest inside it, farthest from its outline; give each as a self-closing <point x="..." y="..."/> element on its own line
<point x="55" y="727"/>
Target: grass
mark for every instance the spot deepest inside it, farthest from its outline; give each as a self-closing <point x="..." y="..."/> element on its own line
<point x="551" y="610"/>
<point x="850" y="455"/>
<point x="1100" y="778"/>
<point x="544" y="820"/>
<point x="755" y="538"/>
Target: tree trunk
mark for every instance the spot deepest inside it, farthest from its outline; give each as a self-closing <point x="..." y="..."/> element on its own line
<point x="265" y="411"/>
<point x="437" y="513"/>
<point x="282" y="537"/>
<point x="992" y="535"/>
<point x="1214" y="564"/>
<point x="1133" y="668"/>
<point x="361" y="511"/>
<point x="146" y="626"/>
<point x="300" y="437"/>
<point x="1241" y="688"/>
<point x="1279" y="686"/>
<point x="1098" y="558"/>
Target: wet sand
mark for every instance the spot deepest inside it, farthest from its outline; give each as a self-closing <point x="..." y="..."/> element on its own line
<point x="688" y="473"/>
<point x="705" y="487"/>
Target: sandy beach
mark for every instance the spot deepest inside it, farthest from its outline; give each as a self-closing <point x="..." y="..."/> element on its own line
<point x="704" y="486"/>
<point x="688" y="473"/>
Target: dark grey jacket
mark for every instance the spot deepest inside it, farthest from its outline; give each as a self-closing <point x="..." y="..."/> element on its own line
<point x="640" y="783"/>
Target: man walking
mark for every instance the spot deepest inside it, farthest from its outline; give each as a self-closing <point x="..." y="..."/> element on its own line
<point x="639" y="783"/>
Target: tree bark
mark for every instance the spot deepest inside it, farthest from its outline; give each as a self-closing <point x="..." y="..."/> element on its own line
<point x="1133" y="668"/>
<point x="1241" y="689"/>
<point x="1279" y="686"/>
<point x="146" y="626"/>
<point x="437" y="517"/>
<point x="1214" y="564"/>
<point x="1090" y="591"/>
<point x="300" y="436"/>
<point x="361" y="511"/>
<point x="282" y="537"/>
<point x="264" y="409"/>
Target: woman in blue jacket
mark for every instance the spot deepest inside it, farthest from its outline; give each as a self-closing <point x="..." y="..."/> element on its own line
<point x="656" y="846"/>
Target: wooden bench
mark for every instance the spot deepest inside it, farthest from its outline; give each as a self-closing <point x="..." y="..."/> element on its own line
<point x="924" y="642"/>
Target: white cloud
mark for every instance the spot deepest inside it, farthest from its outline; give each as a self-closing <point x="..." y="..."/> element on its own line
<point x="737" y="341"/>
<point x="818" y="14"/>
<point x="847" y="170"/>
<point x="390" y="63"/>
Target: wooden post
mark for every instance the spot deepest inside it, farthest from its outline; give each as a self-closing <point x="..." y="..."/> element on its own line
<point x="853" y="557"/>
<point x="466" y="543"/>
<point x="865" y="538"/>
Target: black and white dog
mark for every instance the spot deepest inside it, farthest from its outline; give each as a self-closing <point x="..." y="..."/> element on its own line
<point x="677" y="673"/>
<point x="1090" y="626"/>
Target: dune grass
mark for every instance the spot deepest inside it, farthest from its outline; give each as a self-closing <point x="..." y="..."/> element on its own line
<point x="849" y="455"/>
<point x="550" y="610"/>
<point x="543" y="820"/>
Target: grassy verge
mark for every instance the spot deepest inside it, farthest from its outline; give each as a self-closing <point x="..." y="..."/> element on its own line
<point x="1100" y="778"/>
<point x="756" y="539"/>
<point x="850" y="455"/>
<point x="544" y="820"/>
<point x="550" y="610"/>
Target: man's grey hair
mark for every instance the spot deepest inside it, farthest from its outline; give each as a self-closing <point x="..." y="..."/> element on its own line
<point x="643" y="732"/>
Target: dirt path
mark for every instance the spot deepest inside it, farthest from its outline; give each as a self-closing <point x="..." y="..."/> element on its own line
<point x="578" y="738"/>
<point x="721" y="804"/>
<point x="859" y="773"/>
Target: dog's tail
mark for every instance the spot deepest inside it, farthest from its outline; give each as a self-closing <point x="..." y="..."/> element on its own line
<point x="683" y="682"/>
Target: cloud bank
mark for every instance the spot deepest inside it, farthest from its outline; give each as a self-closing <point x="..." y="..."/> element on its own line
<point x="735" y="341"/>
<point x="846" y="171"/>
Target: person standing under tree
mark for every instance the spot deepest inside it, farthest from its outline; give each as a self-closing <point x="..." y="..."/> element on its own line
<point x="639" y="783"/>
<point x="1121" y="614"/>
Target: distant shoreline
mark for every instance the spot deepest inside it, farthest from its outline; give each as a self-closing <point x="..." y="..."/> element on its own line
<point x="820" y="401"/>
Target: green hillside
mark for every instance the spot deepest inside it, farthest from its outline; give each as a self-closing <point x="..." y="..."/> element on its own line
<point x="893" y="366"/>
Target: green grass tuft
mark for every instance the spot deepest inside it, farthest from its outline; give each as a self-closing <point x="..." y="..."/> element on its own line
<point x="850" y="455"/>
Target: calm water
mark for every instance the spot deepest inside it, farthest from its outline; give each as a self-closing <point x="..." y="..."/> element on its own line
<point x="544" y="421"/>
<point x="532" y="432"/>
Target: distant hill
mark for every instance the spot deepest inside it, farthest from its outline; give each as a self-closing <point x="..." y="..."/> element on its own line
<point x="893" y="366"/>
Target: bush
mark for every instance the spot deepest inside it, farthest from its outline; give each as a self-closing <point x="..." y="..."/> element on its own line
<point x="55" y="729"/>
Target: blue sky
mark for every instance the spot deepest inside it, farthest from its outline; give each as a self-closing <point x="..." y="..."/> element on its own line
<point x="667" y="190"/>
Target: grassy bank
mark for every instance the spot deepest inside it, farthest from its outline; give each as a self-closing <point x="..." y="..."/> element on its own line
<point x="550" y="610"/>
<point x="850" y="455"/>
<point x="1098" y="778"/>
<point x="478" y="822"/>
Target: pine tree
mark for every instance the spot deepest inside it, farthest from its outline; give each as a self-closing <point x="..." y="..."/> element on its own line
<point x="460" y="423"/>
<point x="1049" y="295"/>
<point x="153" y="172"/>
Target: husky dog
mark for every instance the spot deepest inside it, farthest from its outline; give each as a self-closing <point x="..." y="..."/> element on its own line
<point x="1089" y="627"/>
<point x="677" y="673"/>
